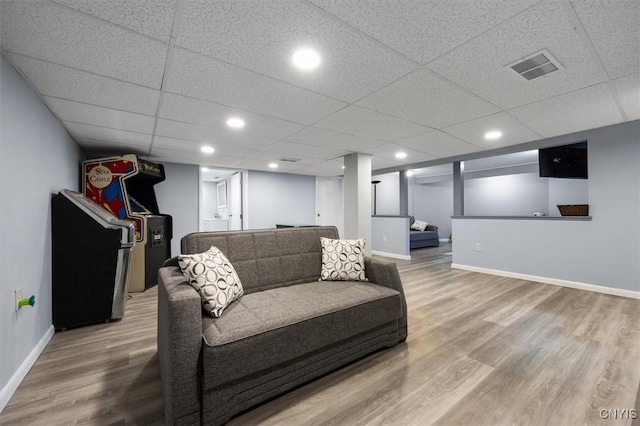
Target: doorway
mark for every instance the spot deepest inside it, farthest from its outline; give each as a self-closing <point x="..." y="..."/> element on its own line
<point x="220" y="200"/>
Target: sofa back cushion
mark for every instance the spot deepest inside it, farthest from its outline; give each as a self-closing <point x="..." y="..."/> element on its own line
<point x="267" y="258"/>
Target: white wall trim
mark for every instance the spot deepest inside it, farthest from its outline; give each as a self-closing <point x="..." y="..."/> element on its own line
<point x="554" y="281"/>
<point x="444" y="240"/>
<point x="12" y="385"/>
<point x="392" y="255"/>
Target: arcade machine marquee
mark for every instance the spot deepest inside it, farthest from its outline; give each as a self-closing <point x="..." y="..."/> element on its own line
<point x="124" y="186"/>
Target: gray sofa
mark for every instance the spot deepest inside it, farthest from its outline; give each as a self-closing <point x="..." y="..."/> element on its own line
<point x="287" y="329"/>
<point x="420" y="239"/>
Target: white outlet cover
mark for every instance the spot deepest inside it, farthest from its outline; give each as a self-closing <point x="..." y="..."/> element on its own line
<point x="18" y="294"/>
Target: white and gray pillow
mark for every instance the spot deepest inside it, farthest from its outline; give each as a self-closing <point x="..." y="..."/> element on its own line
<point x="214" y="277"/>
<point x="342" y="260"/>
<point x="419" y="225"/>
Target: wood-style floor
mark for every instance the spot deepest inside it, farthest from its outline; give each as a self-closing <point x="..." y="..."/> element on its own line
<point x="482" y="350"/>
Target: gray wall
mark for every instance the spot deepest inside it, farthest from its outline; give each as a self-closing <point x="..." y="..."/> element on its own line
<point x="603" y="252"/>
<point x="387" y="194"/>
<point x="433" y="203"/>
<point x="37" y="159"/>
<point x="279" y="198"/>
<point x="390" y="235"/>
<point x="509" y="195"/>
<point x="178" y="196"/>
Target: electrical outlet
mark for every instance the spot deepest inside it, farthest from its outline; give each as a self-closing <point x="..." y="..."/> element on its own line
<point x="478" y="247"/>
<point x="18" y="294"/>
<point x="384" y="237"/>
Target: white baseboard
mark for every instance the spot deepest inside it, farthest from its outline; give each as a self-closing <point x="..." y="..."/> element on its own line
<point x="554" y="281"/>
<point x="444" y="240"/>
<point x="12" y="385"/>
<point x="391" y="255"/>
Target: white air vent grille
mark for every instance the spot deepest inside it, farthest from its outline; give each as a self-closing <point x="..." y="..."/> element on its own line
<point x="289" y="160"/>
<point x="536" y="65"/>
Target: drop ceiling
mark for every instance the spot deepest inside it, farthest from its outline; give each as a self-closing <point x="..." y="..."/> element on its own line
<point x="160" y="77"/>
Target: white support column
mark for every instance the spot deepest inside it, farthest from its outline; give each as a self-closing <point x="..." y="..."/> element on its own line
<point x="357" y="198"/>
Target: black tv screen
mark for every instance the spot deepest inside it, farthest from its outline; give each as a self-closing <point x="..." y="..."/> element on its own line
<point x="567" y="161"/>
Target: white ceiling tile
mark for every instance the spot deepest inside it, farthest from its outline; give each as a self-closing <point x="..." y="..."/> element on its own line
<point x="628" y="89"/>
<point x="382" y="163"/>
<point x="262" y="36"/>
<point x="83" y="55"/>
<point x="317" y="171"/>
<point x="263" y="165"/>
<point x="513" y="132"/>
<point x="613" y="26"/>
<point x="326" y="169"/>
<point x="370" y="124"/>
<point x="322" y="170"/>
<point x="98" y="116"/>
<point x="273" y="156"/>
<point x="191" y="157"/>
<point x="306" y="151"/>
<point x="85" y="131"/>
<point x="204" y="78"/>
<point x="388" y="151"/>
<point x="335" y="140"/>
<point x="583" y="109"/>
<point x="424" y="30"/>
<point x="210" y="135"/>
<point x="481" y="64"/>
<point x="424" y="98"/>
<point x="57" y="34"/>
<point x="221" y="150"/>
<point x="62" y="82"/>
<point x="205" y="113"/>
<point x="151" y="17"/>
<point x="104" y="148"/>
<point x="439" y="144"/>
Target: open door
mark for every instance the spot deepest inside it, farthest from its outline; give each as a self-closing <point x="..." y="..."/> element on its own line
<point x="235" y="202"/>
<point x="329" y="203"/>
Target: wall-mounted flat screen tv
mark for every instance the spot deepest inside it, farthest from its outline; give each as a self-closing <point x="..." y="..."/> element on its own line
<point x="567" y="161"/>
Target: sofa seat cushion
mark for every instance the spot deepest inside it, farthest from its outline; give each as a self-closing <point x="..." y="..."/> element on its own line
<point x="271" y="327"/>
<point x="423" y="235"/>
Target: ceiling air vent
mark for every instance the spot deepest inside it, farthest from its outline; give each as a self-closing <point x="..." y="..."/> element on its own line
<point x="536" y="65"/>
<point x="289" y="160"/>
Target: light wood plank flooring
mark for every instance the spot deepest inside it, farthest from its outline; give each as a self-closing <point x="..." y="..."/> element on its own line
<point x="482" y="350"/>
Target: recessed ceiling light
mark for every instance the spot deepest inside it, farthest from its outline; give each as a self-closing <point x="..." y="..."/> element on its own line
<point x="205" y="169"/>
<point x="400" y="155"/>
<point x="273" y="165"/>
<point x="235" y="123"/>
<point x="492" y="135"/>
<point x="306" y="59"/>
<point x="207" y="149"/>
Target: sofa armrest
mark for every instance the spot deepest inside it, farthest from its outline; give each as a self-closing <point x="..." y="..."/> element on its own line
<point x="172" y="261"/>
<point x="431" y="228"/>
<point x="179" y="346"/>
<point x="386" y="274"/>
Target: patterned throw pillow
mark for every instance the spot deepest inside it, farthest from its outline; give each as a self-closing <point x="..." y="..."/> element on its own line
<point x="342" y="260"/>
<point x="419" y="225"/>
<point x="214" y="277"/>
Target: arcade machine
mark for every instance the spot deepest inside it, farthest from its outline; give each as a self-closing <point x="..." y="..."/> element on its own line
<point x="124" y="186"/>
<point x="91" y="260"/>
